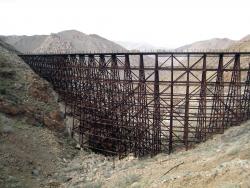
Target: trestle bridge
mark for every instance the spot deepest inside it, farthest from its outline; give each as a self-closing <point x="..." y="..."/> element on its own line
<point x="150" y="102"/>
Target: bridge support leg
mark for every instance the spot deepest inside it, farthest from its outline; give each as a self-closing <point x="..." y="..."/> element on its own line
<point x="156" y="145"/>
<point x="186" y="120"/>
<point x="246" y="98"/>
<point x="142" y="113"/>
<point x="129" y="105"/>
<point x="217" y="112"/>
<point x="233" y="101"/>
<point x="170" y="142"/>
<point x="201" y="131"/>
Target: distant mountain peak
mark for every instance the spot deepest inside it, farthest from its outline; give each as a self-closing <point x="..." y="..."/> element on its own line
<point x="63" y="42"/>
<point x="71" y="31"/>
<point x="214" y="43"/>
<point x="246" y="38"/>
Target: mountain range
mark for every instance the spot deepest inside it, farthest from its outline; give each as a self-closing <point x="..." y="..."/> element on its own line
<point x="76" y="41"/>
<point x="215" y="43"/>
<point x="65" y="41"/>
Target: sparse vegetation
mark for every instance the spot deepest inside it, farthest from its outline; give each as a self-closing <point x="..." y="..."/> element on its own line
<point x="126" y="180"/>
<point x="97" y="184"/>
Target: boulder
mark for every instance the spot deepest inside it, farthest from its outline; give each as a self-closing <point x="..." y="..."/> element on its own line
<point x="56" y="115"/>
<point x="35" y="172"/>
<point x="78" y="146"/>
<point x="10" y="109"/>
<point x="53" y="124"/>
<point x="7" y="74"/>
<point x="7" y="129"/>
<point x="38" y="94"/>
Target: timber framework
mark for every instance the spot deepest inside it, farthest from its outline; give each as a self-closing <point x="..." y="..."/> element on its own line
<point x="147" y="103"/>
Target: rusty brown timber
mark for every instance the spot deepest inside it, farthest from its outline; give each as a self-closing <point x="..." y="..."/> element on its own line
<point x="147" y="103"/>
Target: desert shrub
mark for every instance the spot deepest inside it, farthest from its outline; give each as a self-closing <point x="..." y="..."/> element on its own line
<point x="96" y="184"/>
<point x="125" y="180"/>
<point x="2" y="60"/>
<point x="234" y="151"/>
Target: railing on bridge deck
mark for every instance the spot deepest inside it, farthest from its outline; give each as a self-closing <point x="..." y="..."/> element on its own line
<point x="147" y="103"/>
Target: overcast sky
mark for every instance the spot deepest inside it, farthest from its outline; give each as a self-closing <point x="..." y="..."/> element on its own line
<point x="162" y="23"/>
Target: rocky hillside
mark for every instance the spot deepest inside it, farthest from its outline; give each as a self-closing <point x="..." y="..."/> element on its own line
<point x="241" y="45"/>
<point x="213" y="44"/>
<point x="22" y="92"/>
<point x="31" y="124"/>
<point x="65" y="41"/>
<point x="6" y="46"/>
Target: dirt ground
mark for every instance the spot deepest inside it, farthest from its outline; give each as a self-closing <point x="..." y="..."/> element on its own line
<point x="29" y="154"/>
<point x="223" y="161"/>
<point x="33" y="156"/>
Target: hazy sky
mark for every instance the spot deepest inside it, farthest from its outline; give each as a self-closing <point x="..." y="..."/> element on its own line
<point x="162" y="23"/>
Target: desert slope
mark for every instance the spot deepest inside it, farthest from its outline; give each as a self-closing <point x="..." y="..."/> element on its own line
<point x="241" y="45"/>
<point x="223" y="161"/>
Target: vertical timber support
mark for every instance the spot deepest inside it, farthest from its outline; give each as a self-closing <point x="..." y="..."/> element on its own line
<point x="186" y="121"/>
<point x="246" y="97"/>
<point x="233" y="102"/>
<point x="142" y="119"/>
<point x="129" y="104"/>
<point x="217" y="112"/>
<point x="115" y="89"/>
<point x="104" y="90"/>
<point x="201" y="119"/>
<point x="81" y="108"/>
<point x="156" y="145"/>
<point x="170" y="142"/>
